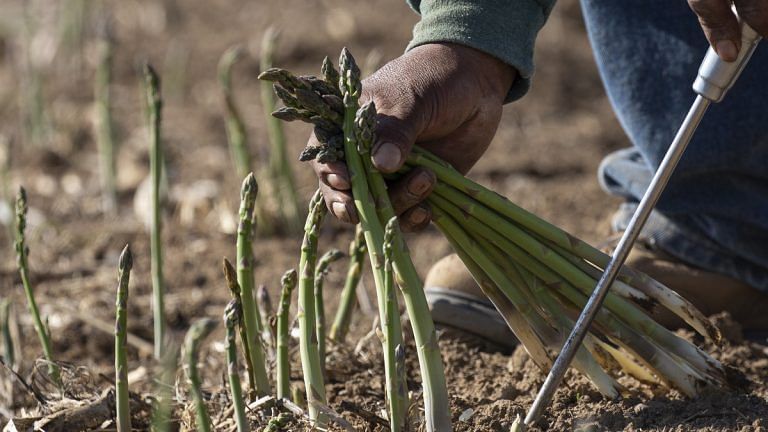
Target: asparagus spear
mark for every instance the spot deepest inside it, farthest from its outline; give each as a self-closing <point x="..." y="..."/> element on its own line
<point x="308" y="343"/>
<point x="230" y="275"/>
<point x="236" y="134"/>
<point x="122" y="401"/>
<point x="105" y="136"/>
<point x="232" y="315"/>
<point x="341" y="321"/>
<point x="9" y="349"/>
<point x="320" y="271"/>
<point x="279" y="164"/>
<point x="199" y="331"/>
<point x="283" y="372"/>
<point x="396" y="385"/>
<point x="22" y="255"/>
<point x="154" y="106"/>
<point x="245" y="264"/>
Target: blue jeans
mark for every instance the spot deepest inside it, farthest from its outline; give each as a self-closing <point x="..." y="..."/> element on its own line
<point x="714" y="212"/>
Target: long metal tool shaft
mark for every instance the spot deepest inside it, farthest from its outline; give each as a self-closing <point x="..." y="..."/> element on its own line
<point x="652" y="195"/>
<point x="715" y="78"/>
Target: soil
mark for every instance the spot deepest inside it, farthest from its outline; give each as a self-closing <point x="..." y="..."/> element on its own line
<point x="544" y="157"/>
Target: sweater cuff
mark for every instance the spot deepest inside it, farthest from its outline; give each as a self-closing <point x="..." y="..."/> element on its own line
<point x="505" y="29"/>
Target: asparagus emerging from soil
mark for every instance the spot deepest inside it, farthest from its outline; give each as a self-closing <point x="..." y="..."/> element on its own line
<point x="195" y="335"/>
<point x="343" y="317"/>
<point x="321" y="270"/>
<point x="154" y="107"/>
<point x="232" y="315"/>
<point x="104" y="133"/>
<point x="122" y="401"/>
<point x="236" y="135"/>
<point x="279" y="164"/>
<point x="166" y="376"/>
<point x="308" y="342"/>
<point x="230" y="275"/>
<point x="22" y="254"/>
<point x="283" y="366"/>
<point x="245" y="262"/>
<point x="396" y="385"/>
<point x="9" y="349"/>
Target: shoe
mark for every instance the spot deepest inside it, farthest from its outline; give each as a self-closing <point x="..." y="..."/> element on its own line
<point x="457" y="301"/>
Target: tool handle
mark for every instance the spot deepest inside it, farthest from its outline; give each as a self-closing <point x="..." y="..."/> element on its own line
<point x="716" y="76"/>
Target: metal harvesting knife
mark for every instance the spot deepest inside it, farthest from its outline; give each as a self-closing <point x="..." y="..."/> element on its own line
<point x="714" y="79"/>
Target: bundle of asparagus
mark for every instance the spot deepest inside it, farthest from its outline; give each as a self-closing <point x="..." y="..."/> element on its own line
<point x="538" y="276"/>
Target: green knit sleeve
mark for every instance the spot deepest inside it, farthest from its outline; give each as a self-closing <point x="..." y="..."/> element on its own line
<point x="506" y="29"/>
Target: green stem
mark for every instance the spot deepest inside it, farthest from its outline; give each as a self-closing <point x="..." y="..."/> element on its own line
<point x="22" y="254"/>
<point x="232" y="315"/>
<point x="343" y="317"/>
<point x="105" y="134"/>
<point x="436" y="404"/>
<point x="9" y="349"/>
<point x="162" y="420"/>
<point x="283" y="369"/>
<point x="308" y="343"/>
<point x="199" y="331"/>
<point x="122" y="401"/>
<point x="245" y="262"/>
<point x="236" y="134"/>
<point x="320" y="271"/>
<point x="279" y="163"/>
<point x="154" y="106"/>
<point x="230" y="275"/>
<point x="396" y="384"/>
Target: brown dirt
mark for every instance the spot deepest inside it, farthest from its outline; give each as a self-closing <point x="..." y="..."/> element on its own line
<point x="544" y="158"/>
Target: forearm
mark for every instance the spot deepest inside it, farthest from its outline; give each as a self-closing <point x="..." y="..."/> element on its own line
<point x="506" y="29"/>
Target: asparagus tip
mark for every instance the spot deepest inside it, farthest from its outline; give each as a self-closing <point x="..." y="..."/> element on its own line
<point x="289" y="279"/>
<point x="250" y="186"/>
<point x="126" y="259"/>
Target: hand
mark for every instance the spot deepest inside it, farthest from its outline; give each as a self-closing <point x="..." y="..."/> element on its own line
<point x="445" y="97"/>
<point x="721" y="26"/>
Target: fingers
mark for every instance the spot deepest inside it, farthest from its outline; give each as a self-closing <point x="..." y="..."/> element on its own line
<point x="755" y="13"/>
<point x="340" y="204"/>
<point x="416" y="218"/>
<point x="720" y="26"/>
<point x="412" y="189"/>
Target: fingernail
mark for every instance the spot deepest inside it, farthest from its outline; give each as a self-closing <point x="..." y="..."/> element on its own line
<point x="337" y="182"/>
<point x="387" y="157"/>
<point x="340" y="211"/>
<point x="726" y="49"/>
<point x="418" y="216"/>
<point x="420" y="184"/>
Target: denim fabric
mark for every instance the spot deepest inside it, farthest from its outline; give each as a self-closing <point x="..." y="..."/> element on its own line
<point x="714" y="212"/>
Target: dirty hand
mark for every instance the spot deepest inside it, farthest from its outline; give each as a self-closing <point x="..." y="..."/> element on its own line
<point x="721" y="26"/>
<point x="445" y="97"/>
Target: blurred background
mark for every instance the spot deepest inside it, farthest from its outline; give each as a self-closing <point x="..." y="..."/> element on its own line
<point x="544" y="157"/>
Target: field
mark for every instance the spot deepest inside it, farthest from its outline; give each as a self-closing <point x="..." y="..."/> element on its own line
<point x="544" y="158"/>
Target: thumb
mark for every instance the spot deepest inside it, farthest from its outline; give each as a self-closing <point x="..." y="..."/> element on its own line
<point x="395" y="136"/>
<point x="720" y="26"/>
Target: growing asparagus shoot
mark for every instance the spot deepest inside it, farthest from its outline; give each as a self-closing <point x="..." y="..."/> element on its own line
<point x="22" y="256"/>
<point x="122" y="401"/>
<point x="283" y="364"/>
<point x="321" y="270"/>
<point x="104" y="132"/>
<point x="232" y="315"/>
<point x="279" y="164"/>
<point x="245" y="263"/>
<point x="154" y="111"/>
<point x="341" y="321"/>
<point x="236" y="133"/>
<point x="230" y="275"/>
<point x="195" y="335"/>
<point x="308" y="342"/>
